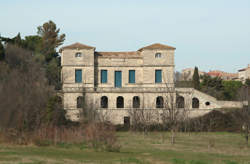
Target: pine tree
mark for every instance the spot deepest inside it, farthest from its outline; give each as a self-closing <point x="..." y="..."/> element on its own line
<point x="196" y="79"/>
<point x="51" y="39"/>
<point x="2" y="52"/>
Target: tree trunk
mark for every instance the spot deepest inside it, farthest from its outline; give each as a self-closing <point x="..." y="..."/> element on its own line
<point x="172" y="136"/>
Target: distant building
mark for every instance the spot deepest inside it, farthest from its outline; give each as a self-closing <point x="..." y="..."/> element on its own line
<point x="244" y="73"/>
<point x="187" y="74"/>
<point x="223" y="75"/>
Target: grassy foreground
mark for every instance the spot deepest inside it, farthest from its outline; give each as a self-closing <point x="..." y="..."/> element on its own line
<point x="155" y="148"/>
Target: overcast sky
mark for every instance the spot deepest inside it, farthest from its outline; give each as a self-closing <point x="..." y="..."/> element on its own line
<point x="211" y="34"/>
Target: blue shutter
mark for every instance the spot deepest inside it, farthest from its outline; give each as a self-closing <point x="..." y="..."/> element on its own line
<point x="104" y="76"/>
<point x="78" y="76"/>
<point x="131" y="76"/>
<point x="158" y="76"/>
<point x="118" y="79"/>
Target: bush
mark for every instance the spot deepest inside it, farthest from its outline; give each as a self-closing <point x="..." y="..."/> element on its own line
<point x="214" y="121"/>
<point x="101" y="136"/>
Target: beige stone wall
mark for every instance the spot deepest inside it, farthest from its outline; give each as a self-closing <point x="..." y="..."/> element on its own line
<point x="69" y="59"/>
<point x="70" y="63"/>
<point x="125" y="76"/>
<point x="248" y="73"/>
<point x="167" y="58"/>
<point x="147" y="101"/>
<point x="242" y="75"/>
<point x="120" y="62"/>
<point x="68" y="76"/>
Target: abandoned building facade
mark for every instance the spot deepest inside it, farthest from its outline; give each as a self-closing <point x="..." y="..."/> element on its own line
<point x="119" y="81"/>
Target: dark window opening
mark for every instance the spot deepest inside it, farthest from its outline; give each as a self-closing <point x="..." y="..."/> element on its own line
<point x="80" y="102"/>
<point x="136" y="102"/>
<point x="78" y="54"/>
<point x="104" y="102"/>
<point x="120" y="102"/>
<point x="158" y="55"/>
<point x="207" y="103"/>
<point x="180" y="102"/>
<point x="159" y="102"/>
<point x="126" y="122"/>
<point x="195" y="103"/>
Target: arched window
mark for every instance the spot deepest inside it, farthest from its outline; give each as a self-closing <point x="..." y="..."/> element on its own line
<point x="104" y="102"/>
<point x="180" y="102"/>
<point x="195" y="103"/>
<point x="79" y="102"/>
<point x="136" y="102"/>
<point x="120" y="102"/>
<point x="159" y="102"/>
<point x="158" y="55"/>
<point x="78" y="54"/>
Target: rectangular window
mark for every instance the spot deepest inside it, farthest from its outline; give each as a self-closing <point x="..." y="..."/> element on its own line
<point x="131" y="76"/>
<point x="104" y="76"/>
<point x="78" y="75"/>
<point x="158" y="76"/>
<point x="118" y="79"/>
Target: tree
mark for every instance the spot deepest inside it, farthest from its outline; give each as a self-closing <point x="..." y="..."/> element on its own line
<point x="172" y="115"/>
<point x="2" y="53"/>
<point x="33" y="43"/>
<point x="53" y="72"/>
<point x="196" y="79"/>
<point x="213" y="86"/>
<point x="18" y="40"/>
<point x="247" y="82"/>
<point x="25" y="88"/>
<point x="230" y="89"/>
<point x="50" y="39"/>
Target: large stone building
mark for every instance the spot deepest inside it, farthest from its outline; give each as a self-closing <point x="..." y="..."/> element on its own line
<point x="119" y="81"/>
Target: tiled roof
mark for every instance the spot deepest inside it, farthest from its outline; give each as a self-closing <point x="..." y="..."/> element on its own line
<point x="157" y="46"/>
<point x="76" y="46"/>
<point x="222" y="74"/>
<point x="130" y="54"/>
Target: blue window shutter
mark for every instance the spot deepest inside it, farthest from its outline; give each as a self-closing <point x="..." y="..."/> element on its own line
<point x="118" y="79"/>
<point x="131" y="76"/>
<point x="104" y="76"/>
<point x="158" y="76"/>
<point x="78" y="75"/>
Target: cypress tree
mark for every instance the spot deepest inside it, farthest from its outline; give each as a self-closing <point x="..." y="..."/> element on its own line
<point x="2" y="53"/>
<point x="196" y="79"/>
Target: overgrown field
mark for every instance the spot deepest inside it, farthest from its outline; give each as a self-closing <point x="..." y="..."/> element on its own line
<point x="190" y="148"/>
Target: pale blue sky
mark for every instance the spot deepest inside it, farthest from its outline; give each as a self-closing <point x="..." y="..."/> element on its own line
<point x="211" y="34"/>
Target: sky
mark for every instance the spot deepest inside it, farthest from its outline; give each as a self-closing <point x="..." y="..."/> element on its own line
<point x="211" y="34"/>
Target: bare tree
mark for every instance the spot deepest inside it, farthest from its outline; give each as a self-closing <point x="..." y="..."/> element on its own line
<point x="175" y="110"/>
<point x="24" y="91"/>
<point x="243" y="116"/>
<point x="143" y="118"/>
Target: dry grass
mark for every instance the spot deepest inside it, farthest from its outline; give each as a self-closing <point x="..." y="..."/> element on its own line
<point x="190" y="148"/>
